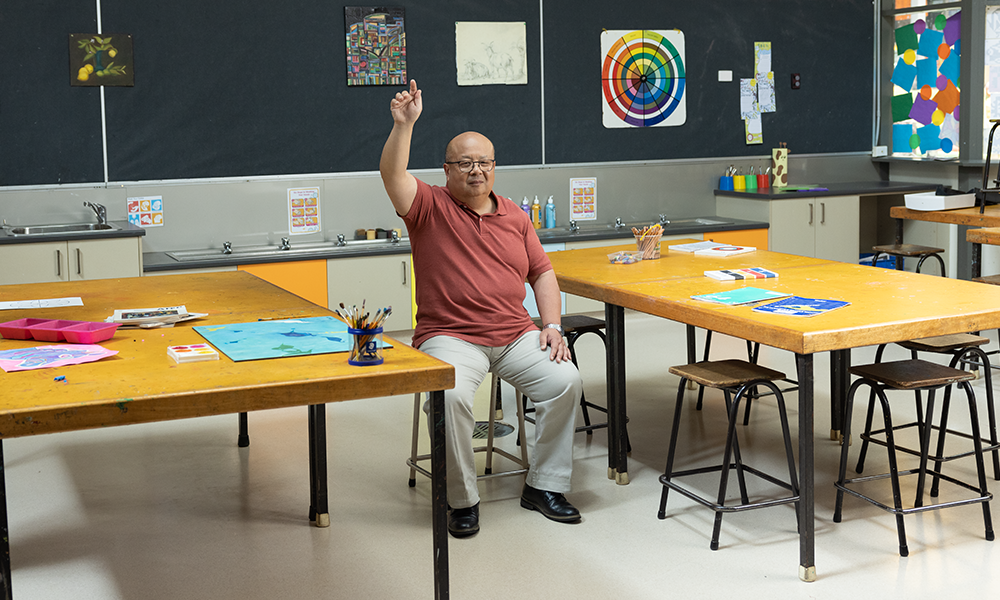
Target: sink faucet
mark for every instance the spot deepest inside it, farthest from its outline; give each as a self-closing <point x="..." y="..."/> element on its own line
<point x="227" y="248"/>
<point x="102" y="213"/>
<point x="573" y="227"/>
<point x="394" y="237"/>
<point x="618" y="223"/>
<point x="285" y="245"/>
<point x="341" y="241"/>
<point x="664" y="220"/>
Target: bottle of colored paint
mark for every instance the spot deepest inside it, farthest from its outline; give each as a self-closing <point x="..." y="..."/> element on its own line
<point x="550" y="214"/>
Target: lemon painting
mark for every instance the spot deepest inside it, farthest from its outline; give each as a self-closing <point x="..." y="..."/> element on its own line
<point x="96" y="60"/>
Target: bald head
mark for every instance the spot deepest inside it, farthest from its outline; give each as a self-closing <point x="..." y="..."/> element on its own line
<point x="470" y="144"/>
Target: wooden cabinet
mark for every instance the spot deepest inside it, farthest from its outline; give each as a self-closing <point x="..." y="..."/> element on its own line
<point x="44" y="262"/>
<point x="825" y="227"/>
<point x="379" y="281"/>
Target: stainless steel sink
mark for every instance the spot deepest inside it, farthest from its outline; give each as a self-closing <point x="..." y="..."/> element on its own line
<point x="698" y="221"/>
<point x="296" y="250"/>
<point x="60" y="229"/>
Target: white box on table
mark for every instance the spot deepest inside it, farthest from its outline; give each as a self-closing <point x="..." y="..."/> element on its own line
<point x="930" y="201"/>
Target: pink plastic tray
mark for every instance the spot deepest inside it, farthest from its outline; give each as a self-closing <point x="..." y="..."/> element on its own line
<point x="18" y="330"/>
<point x="49" y="330"/>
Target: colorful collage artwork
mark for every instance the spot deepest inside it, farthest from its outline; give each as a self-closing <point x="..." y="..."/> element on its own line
<point x="925" y="100"/>
<point x="376" y="45"/>
<point x="146" y="211"/>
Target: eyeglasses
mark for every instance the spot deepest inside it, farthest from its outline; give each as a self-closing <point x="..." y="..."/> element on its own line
<point x="466" y="166"/>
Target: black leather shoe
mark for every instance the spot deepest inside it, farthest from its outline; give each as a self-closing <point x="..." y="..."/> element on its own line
<point x="551" y="504"/>
<point x="463" y="522"/>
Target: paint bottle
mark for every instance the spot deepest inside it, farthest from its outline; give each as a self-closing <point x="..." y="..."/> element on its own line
<point x="536" y="214"/>
<point x="550" y="214"/>
<point x="526" y="207"/>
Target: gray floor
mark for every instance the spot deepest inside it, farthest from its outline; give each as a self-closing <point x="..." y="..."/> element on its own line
<point x="176" y="510"/>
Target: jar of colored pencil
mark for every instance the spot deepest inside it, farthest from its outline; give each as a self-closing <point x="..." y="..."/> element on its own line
<point x="647" y="241"/>
<point x="366" y="347"/>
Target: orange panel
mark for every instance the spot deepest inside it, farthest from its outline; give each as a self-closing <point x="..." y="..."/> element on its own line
<point x="306" y="278"/>
<point x="744" y="237"/>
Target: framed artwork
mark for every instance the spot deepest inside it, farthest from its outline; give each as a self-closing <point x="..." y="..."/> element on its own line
<point x="96" y="60"/>
<point x="376" y="45"/>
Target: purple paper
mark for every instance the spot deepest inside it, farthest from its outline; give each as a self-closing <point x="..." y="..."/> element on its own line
<point x="953" y="29"/>
<point x="922" y="110"/>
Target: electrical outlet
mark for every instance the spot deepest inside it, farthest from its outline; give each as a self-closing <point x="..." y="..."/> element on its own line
<point x="796" y="81"/>
<point x="878" y="151"/>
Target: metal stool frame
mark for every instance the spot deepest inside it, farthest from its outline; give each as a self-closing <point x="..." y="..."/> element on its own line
<point x="897" y="509"/>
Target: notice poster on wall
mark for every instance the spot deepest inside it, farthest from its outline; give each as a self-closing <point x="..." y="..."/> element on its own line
<point x="303" y="210"/>
<point x="583" y="199"/>
<point x="145" y="211"/>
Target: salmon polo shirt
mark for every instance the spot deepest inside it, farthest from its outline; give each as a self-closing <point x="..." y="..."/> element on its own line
<point x="470" y="269"/>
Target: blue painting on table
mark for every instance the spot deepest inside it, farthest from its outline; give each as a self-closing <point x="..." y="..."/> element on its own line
<point x="278" y="339"/>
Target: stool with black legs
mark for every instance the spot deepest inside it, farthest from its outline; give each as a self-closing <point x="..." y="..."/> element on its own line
<point x="736" y="378"/>
<point x="965" y="349"/>
<point x="901" y="251"/>
<point x="929" y="377"/>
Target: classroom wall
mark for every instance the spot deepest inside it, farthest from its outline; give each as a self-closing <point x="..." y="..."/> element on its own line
<point x="203" y="214"/>
<point x="232" y="100"/>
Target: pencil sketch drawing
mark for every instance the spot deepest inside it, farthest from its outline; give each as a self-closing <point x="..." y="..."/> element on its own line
<point x="491" y="53"/>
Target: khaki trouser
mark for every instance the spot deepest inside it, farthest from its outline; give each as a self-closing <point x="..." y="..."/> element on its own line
<point x="554" y="389"/>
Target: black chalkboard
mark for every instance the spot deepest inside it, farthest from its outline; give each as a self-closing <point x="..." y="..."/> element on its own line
<point x="49" y="132"/>
<point x="232" y="89"/>
<point x="828" y="43"/>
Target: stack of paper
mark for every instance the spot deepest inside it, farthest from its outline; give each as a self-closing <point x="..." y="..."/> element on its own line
<point x="724" y="250"/>
<point x="693" y="247"/>
<point x="739" y="274"/>
<point x="745" y="295"/>
<point x="164" y="316"/>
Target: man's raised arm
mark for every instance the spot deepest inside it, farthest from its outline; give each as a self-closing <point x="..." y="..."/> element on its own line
<point x="399" y="184"/>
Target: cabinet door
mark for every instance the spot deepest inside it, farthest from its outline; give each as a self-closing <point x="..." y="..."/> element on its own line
<point x="379" y="281"/>
<point x="793" y="226"/>
<point x="838" y="233"/>
<point x="42" y="262"/>
<point x="105" y="259"/>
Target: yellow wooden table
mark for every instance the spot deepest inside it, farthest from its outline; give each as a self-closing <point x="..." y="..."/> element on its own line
<point x="886" y="306"/>
<point x="990" y="217"/>
<point x="142" y="384"/>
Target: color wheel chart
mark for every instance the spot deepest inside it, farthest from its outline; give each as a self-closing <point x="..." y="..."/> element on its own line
<point x="643" y="78"/>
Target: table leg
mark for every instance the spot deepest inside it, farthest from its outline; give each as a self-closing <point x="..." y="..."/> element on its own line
<point x="977" y="260"/>
<point x="439" y="494"/>
<point x="614" y="317"/>
<point x="243" y="439"/>
<point x="692" y="347"/>
<point x="807" y="490"/>
<point x="5" y="589"/>
<point x="840" y="381"/>
<point x="319" y="505"/>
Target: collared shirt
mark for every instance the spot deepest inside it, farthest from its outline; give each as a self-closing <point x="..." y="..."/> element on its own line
<point x="470" y="269"/>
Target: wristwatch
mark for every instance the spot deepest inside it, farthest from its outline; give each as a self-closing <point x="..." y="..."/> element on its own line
<point x="555" y="326"/>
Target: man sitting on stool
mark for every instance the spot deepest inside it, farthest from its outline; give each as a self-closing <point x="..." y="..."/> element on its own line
<point x="472" y="252"/>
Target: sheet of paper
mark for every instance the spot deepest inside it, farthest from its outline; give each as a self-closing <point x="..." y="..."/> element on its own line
<point x="56" y="355"/>
<point x="491" y="53"/>
<point x="47" y="303"/>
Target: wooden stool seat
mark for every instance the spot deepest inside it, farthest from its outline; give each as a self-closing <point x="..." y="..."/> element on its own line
<point x="912" y="250"/>
<point x="722" y="374"/>
<point x="906" y="249"/>
<point x="912" y="374"/>
<point x="944" y="343"/>
<point x="581" y="324"/>
<point x="990" y="279"/>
